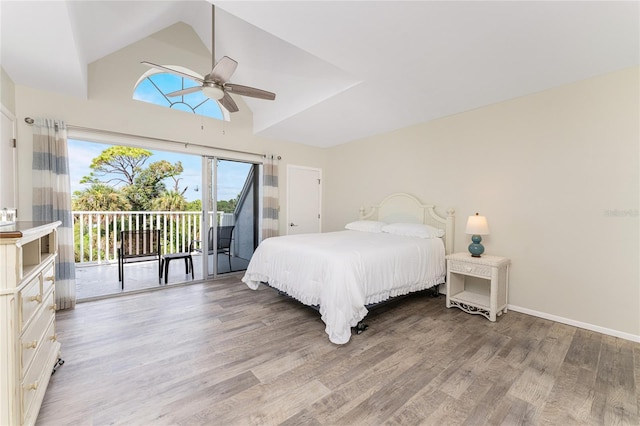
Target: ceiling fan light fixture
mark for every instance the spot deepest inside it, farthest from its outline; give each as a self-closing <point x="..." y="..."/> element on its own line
<point x="213" y="92"/>
<point x="215" y="84"/>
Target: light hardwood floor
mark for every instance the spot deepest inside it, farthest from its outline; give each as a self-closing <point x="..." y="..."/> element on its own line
<point x="218" y="353"/>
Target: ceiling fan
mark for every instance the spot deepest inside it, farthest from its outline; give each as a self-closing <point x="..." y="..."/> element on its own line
<point x="215" y="85"/>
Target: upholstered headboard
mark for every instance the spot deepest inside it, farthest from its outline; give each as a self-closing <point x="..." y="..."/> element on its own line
<point x="401" y="207"/>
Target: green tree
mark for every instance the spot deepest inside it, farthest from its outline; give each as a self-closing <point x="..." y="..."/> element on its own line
<point x="99" y="197"/>
<point x="149" y="184"/>
<point x="124" y="168"/>
<point x="117" y="164"/>
<point x="170" y="201"/>
<point x="227" y="206"/>
<point x="194" y="206"/>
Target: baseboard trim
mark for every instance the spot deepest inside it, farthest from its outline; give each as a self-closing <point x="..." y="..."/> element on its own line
<point x="579" y="324"/>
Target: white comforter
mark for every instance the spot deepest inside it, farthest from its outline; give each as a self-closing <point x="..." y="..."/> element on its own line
<point x="343" y="271"/>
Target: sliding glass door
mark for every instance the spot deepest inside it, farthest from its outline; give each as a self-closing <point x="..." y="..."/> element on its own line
<point x="231" y="215"/>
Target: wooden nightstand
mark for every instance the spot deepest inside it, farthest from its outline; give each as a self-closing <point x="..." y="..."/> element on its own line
<point x="489" y="303"/>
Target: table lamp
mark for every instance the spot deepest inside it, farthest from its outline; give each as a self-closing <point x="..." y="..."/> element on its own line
<point x="476" y="226"/>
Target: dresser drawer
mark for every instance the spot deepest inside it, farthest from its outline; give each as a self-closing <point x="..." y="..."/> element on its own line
<point x="30" y="300"/>
<point x="37" y="375"/>
<point x="37" y="333"/>
<point x="48" y="277"/>
<point x="469" y="269"/>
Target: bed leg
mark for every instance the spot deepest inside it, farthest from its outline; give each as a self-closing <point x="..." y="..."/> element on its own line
<point x="435" y="290"/>
<point x="360" y="327"/>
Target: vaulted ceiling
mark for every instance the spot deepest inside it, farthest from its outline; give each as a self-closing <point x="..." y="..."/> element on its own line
<point x="342" y="70"/>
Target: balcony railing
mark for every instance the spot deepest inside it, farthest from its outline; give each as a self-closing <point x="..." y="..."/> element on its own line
<point x="96" y="234"/>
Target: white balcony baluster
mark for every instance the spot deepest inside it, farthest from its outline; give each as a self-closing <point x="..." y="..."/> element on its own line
<point x="98" y="232"/>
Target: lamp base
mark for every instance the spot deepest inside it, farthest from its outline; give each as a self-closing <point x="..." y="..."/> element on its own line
<point x="475" y="248"/>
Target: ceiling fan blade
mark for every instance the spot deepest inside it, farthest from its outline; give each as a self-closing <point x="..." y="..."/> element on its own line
<point x="252" y="92"/>
<point x="228" y="102"/>
<point x="172" y="71"/>
<point x="223" y="70"/>
<point x="184" y="91"/>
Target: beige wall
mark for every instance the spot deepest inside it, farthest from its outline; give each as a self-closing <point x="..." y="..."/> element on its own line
<point x="110" y="107"/>
<point x="7" y="92"/>
<point x="548" y="170"/>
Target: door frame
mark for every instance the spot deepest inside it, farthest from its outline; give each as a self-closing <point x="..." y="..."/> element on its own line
<point x="12" y="151"/>
<point x="210" y="199"/>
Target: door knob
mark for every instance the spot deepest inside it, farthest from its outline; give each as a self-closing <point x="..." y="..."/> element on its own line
<point x="292" y="224"/>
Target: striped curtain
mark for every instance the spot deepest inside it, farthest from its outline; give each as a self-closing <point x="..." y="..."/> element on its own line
<point x="52" y="200"/>
<point x="271" y="199"/>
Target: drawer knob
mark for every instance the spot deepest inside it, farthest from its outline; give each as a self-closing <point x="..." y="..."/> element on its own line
<point x="53" y="307"/>
<point x="49" y="278"/>
<point x="36" y="298"/>
<point x="31" y="345"/>
<point x="32" y="386"/>
<point x="53" y="338"/>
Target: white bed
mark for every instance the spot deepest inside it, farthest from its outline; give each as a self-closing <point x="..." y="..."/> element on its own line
<point x="343" y="272"/>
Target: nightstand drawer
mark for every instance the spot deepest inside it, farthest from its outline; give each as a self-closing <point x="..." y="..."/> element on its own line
<point x="470" y="269"/>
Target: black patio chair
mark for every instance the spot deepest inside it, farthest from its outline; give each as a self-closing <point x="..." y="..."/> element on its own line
<point x="225" y="236"/>
<point x="138" y="246"/>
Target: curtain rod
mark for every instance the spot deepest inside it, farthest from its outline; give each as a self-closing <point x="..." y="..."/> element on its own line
<point x="30" y="121"/>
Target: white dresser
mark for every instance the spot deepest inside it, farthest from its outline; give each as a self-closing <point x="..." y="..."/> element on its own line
<point x="28" y="346"/>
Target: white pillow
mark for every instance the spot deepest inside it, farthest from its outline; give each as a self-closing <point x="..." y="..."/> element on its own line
<point x="365" y="226"/>
<point x="413" y="230"/>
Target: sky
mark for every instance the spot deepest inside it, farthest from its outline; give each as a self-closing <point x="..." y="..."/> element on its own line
<point x="231" y="174"/>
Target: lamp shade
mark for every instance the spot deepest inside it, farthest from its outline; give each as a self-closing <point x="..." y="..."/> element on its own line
<point x="477" y="225"/>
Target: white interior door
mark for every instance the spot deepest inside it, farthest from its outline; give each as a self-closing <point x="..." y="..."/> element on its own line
<point x="304" y="195"/>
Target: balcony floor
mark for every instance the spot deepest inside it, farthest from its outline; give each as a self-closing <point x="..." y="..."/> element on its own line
<point x="102" y="280"/>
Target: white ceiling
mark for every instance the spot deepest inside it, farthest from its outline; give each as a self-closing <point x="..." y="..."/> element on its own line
<point x="341" y="70"/>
